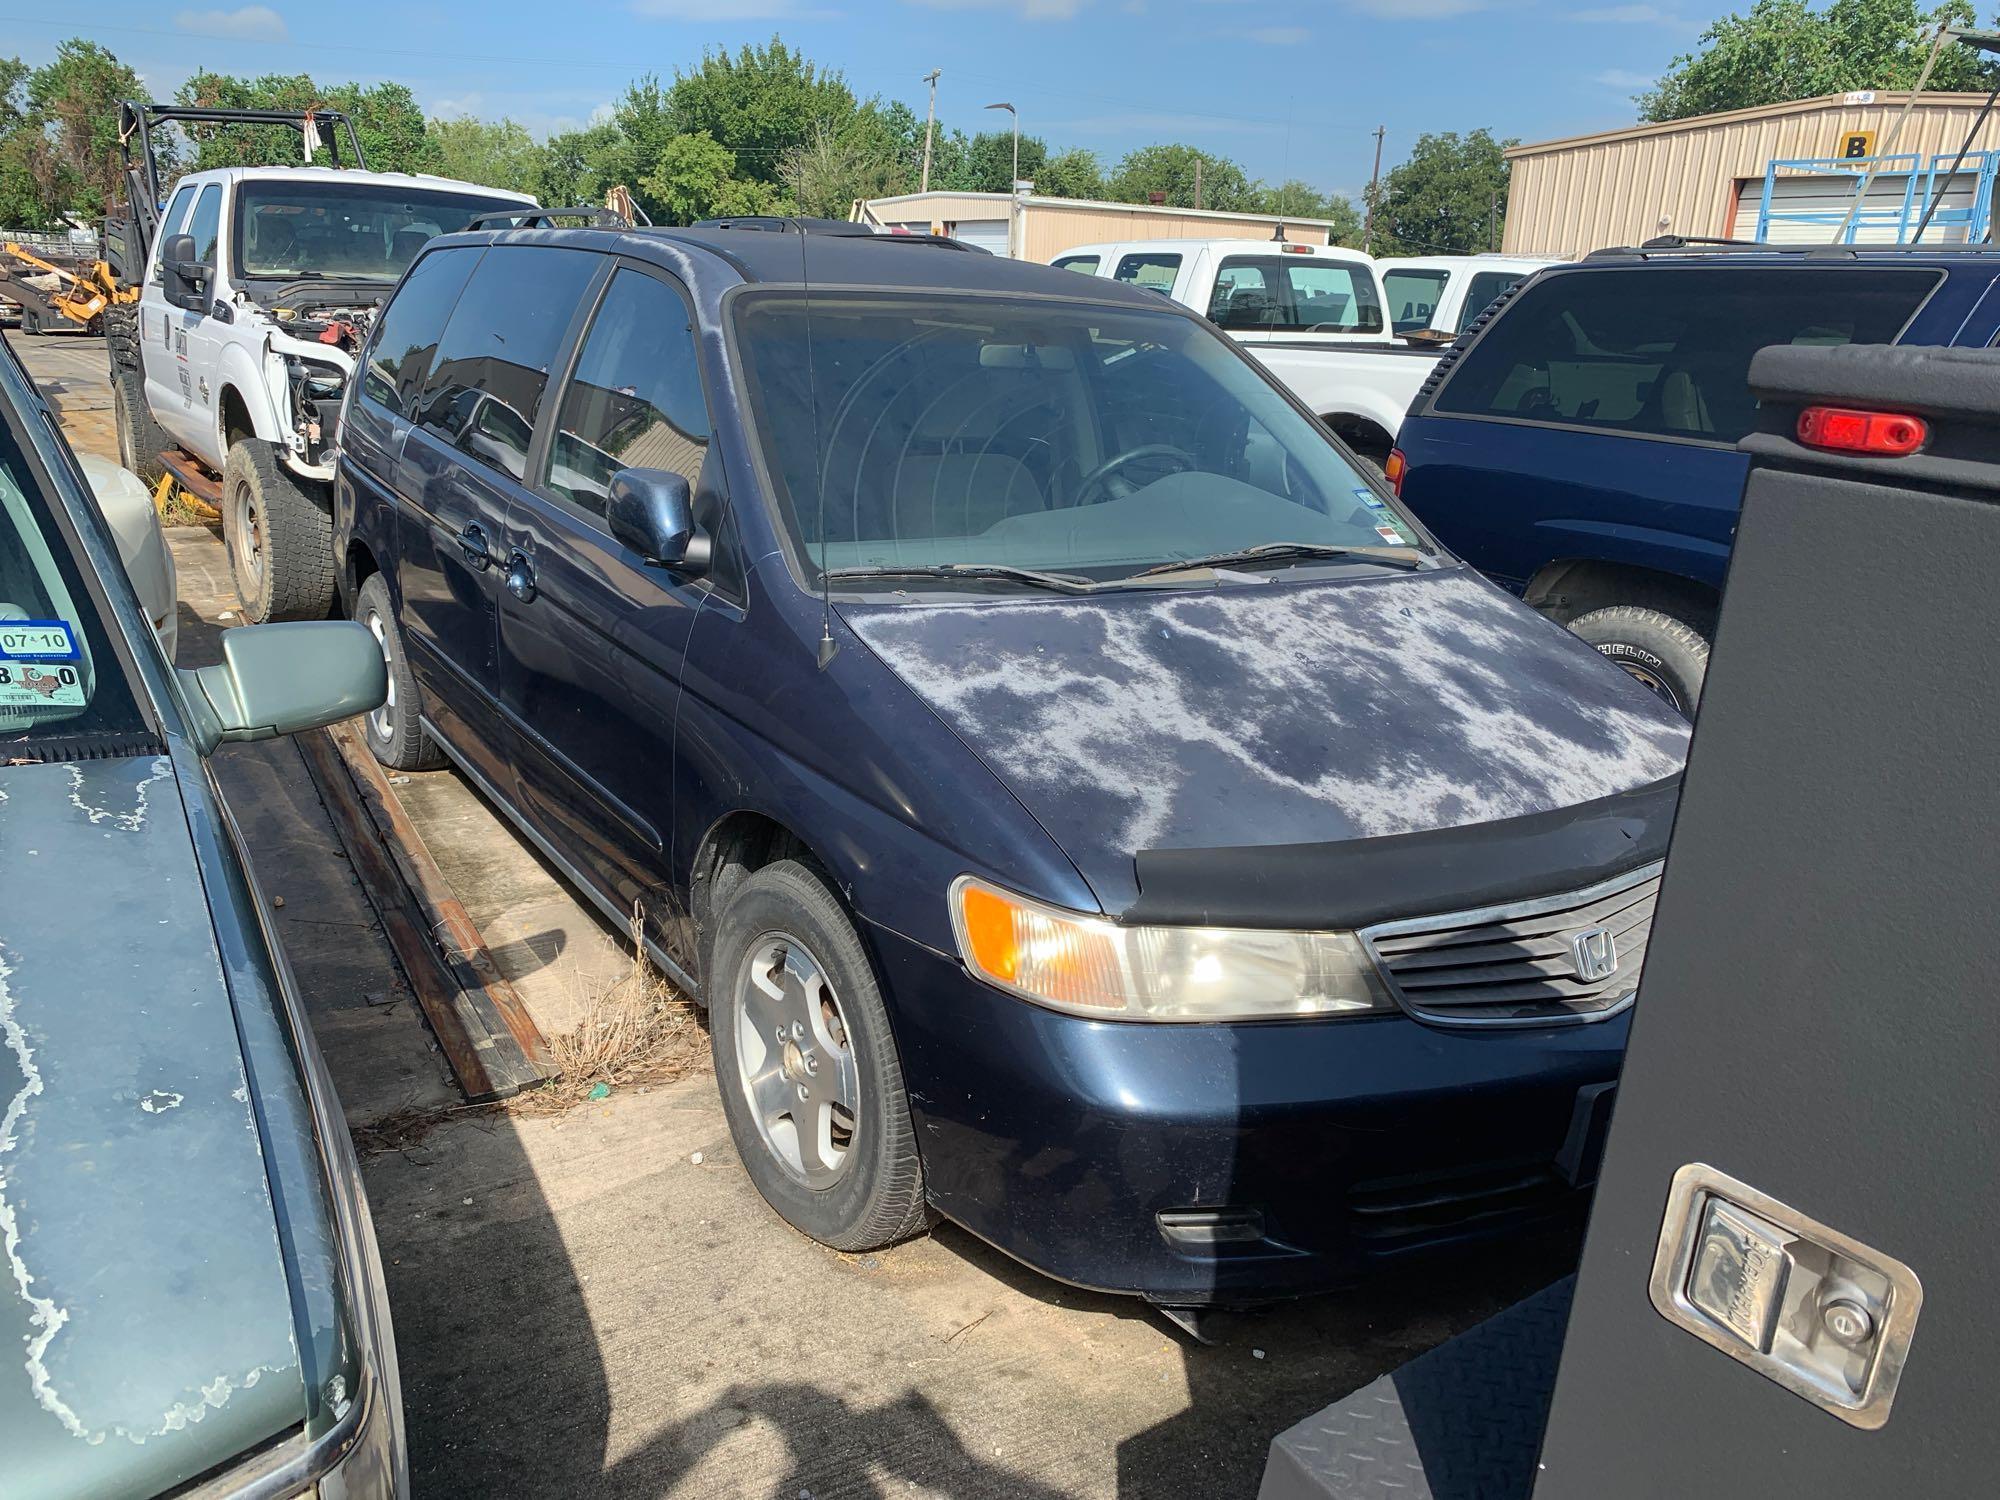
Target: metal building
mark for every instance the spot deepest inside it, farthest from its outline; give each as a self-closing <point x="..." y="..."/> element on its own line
<point x="1785" y="173"/>
<point x="1034" y="228"/>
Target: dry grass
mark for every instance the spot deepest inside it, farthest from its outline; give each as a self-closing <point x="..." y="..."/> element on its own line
<point x="180" y="508"/>
<point x="640" y="1030"/>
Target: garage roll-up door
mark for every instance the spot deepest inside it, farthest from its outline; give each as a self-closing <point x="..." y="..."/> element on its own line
<point x="1833" y="193"/>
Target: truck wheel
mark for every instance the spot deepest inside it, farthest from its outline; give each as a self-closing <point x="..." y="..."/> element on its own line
<point x="395" y="731"/>
<point x="141" y="440"/>
<point x="121" y="340"/>
<point x="280" y="538"/>
<point x="1666" y="654"/>
<point x="808" y="1071"/>
<point x="31" y="321"/>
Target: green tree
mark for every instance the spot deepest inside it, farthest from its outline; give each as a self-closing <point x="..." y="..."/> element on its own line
<point x="826" y="172"/>
<point x="1075" y="173"/>
<point x="1785" y="49"/>
<point x="758" y="104"/>
<point x="66" y="130"/>
<point x="1448" y="198"/>
<point x="695" y="178"/>
<point x="493" y="153"/>
<point x="577" y="166"/>
<point x="988" y="162"/>
<point x="386" y="117"/>
<point x="1170" y="169"/>
<point x="1293" y="199"/>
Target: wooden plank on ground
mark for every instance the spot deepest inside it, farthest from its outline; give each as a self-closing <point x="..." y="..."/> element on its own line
<point x="492" y="1044"/>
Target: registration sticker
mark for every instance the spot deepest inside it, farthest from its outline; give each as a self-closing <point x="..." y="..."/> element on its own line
<point x="27" y="684"/>
<point x="1372" y="500"/>
<point x="1392" y="536"/>
<point x="37" y="640"/>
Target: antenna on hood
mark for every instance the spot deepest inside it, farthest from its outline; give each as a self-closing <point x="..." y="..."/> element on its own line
<point x="820" y="460"/>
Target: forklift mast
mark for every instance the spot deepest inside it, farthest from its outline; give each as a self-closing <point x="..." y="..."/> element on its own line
<point x="128" y="240"/>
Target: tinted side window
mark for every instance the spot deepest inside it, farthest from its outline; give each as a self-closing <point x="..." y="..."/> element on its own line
<point x="170" y="221"/>
<point x="1480" y="292"/>
<point x="207" y="223"/>
<point x="408" y="334"/>
<point x="486" y="380"/>
<point x="1667" y="351"/>
<point x="1281" y="293"/>
<point x="1413" y="296"/>
<point x="1156" y="270"/>
<point x="635" y="400"/>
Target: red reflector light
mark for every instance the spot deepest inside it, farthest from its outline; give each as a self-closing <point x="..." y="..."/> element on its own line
<point x="1393" y="469"/>
<point x="1298" y="249"/>
<point x="1845" y="430"/>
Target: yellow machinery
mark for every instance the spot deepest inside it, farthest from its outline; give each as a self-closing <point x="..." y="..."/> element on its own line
<point x="80" y="297"/>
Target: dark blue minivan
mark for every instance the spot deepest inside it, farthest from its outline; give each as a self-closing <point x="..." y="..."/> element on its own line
<point x="1578" y="445"/>
<point x="1089" y="807"/>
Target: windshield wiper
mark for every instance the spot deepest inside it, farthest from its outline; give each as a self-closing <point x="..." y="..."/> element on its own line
<point x="1405" y="558"/>
<point x="1068" y="583"/>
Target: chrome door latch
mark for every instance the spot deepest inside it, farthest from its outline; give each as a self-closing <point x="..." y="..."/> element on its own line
<point x="1811" y="1308"/>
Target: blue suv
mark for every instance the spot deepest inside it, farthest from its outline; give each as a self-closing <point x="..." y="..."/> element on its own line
<point x="1087" y="806"/>
<point x="1578" y="445"/>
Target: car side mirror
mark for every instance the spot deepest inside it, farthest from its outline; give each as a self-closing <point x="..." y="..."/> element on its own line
<point x="280" y="679"/>
<point x="186" y="277"/>
<point x="652" y="512"/>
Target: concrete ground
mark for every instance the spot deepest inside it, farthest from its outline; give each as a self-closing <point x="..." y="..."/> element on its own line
<point x="582" y="1306"/>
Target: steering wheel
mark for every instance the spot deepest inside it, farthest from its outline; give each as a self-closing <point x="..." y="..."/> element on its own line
<point x="1111" y="465"/>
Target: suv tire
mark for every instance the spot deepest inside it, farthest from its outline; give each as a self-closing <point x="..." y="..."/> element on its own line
<point x="395" y="731"/>
<point x="1667" y="655"/>
<point x="141" y="440"/>
<point x="819" y="987"/>
<point x="280" y="539"/>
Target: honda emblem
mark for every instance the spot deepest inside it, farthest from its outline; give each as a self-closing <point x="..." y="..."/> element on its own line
<point x="1593" y="953"/>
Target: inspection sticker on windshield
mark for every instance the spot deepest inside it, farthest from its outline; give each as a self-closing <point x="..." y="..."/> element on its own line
<point x="37" y="640"/>
<point x="1372" y="500"/>
<point x="27" y="684"/>
<point x="1392" y="536"/>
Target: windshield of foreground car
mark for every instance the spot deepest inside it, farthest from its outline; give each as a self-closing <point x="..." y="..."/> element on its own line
<point x="58" y="675"/>
<point x="346" y="231"/>
<point x="921" y="430"/>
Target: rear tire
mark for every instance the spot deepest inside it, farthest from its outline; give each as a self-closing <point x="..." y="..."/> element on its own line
<point x="785" y="928"/>
<point x="1668" y="655"/>
<point x="395" y="731"/>
<point x="141" y="440"/>
<point x="280" y="538"/>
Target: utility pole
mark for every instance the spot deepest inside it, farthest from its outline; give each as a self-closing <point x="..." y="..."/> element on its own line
<point x="1492" y="219"/>
<point x="930" y="125"/>
<point x="1374" y="178"/>
<point x="1197" y="182"/>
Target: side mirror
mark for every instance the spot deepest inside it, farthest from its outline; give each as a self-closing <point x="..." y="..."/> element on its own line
<point x="652" y="512"/>
<point x="186" y="278"/>
<point x="280" y="679"/>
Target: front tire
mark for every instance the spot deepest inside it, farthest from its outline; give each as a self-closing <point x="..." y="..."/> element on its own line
<point x="141" y="440"/>
<point x="280" y="538"/>
<point x="395" y="731"/>
<point x="807" y="1067"/>
<point x="1667" y="655"/>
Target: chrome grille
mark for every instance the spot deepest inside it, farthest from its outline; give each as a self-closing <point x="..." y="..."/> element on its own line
<point x="1525" y="963"/>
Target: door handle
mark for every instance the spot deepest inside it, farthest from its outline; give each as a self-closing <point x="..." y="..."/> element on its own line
<point x="520" y="576"/>
<point x="472" y="542"/>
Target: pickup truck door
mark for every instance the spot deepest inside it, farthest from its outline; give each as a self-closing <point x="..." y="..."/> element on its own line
<point x="162" y="341"/>
<point x="188" y="413"/>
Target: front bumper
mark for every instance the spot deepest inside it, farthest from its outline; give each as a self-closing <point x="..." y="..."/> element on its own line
<point x="1288" y="1157"/>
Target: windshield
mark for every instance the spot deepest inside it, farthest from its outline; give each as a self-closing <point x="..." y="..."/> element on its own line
<point x="346" y="231"/>
<point x="58" y="676"/>
<point x="921" y="430"/>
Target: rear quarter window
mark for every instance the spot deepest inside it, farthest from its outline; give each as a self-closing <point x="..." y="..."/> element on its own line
<point x="1665" y="351"/>
<point x="1156" y="270"/>
<point x="1086" y="264"/>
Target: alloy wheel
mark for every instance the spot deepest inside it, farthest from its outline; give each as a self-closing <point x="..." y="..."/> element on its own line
<point x="794" y="1060"/>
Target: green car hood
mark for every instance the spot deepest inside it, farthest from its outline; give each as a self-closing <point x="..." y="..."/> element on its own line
<point x="146" y="1314"/>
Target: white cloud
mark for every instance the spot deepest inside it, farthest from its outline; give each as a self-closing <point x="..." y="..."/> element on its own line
<point x="1033" y="10"/>
<point x="1623" y="78"/>
<point x="250" y="23"/>
<point x="1279" y="36"/>
<point x="731" y="10"/>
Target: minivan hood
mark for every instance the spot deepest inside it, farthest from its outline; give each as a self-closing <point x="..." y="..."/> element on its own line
<point x="1282" y="713"/>
<point x="146" y="1329"/>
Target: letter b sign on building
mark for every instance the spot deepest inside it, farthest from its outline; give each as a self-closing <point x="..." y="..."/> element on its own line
<point x="1857" y="145"/>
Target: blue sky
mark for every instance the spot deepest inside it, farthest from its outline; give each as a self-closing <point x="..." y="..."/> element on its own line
<point x="1287" y="87"/>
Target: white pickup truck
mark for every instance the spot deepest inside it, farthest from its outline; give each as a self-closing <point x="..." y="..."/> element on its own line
<point x="1443" y="293"/>
<point x="1315" y="315"/>
<point x="256" y="294"/>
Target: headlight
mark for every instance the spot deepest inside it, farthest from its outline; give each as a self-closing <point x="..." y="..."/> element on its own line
<point x="1087" y="966"/>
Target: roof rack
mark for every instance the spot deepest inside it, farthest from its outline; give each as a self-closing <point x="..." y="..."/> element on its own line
<point x="529" y="217"/>
<point x="1674" y="245"/>
<point x="844" y="229"/>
